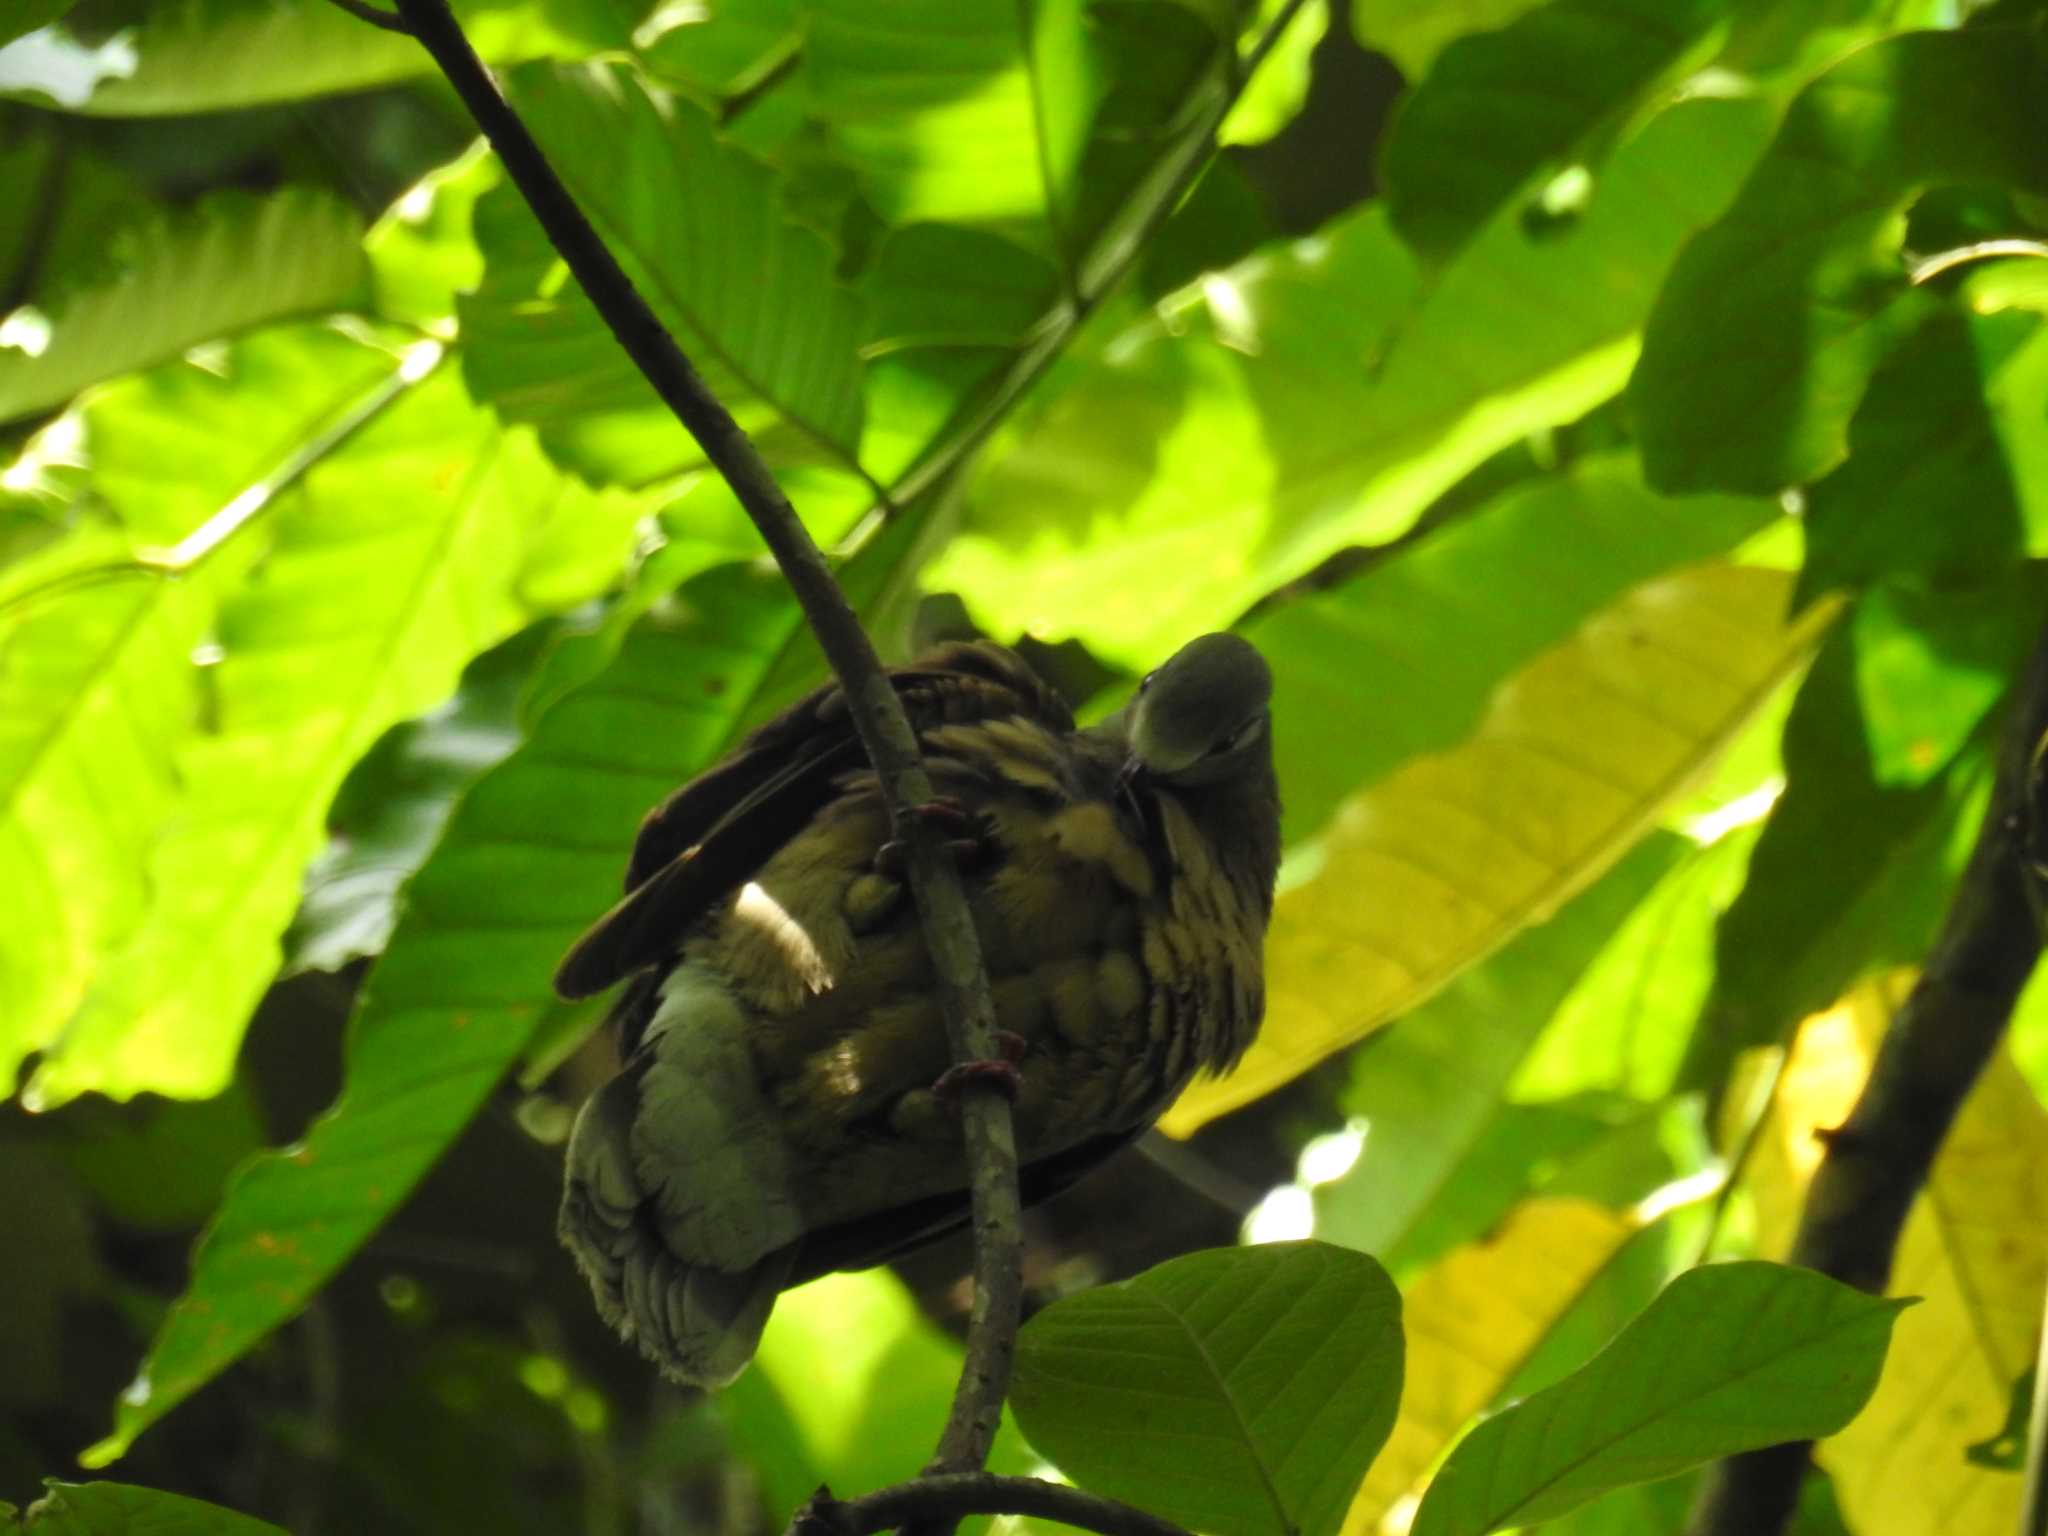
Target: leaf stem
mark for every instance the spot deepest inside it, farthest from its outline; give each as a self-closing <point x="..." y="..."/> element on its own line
<point x="877" y="714"/>
<point x="1932" y="1054"/>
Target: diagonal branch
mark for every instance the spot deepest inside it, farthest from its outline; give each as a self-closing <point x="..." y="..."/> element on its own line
<point x="946" y="1498"/>
<point x="1931" y="1056"/>
<point x="877" y="714"/>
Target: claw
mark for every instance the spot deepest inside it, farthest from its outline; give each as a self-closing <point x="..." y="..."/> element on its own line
<point x="893" y="857"/>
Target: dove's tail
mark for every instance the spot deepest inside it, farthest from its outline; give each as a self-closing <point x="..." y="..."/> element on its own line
<point x="675" y="1207"/>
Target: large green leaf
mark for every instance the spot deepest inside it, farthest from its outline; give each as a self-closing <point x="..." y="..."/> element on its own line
<point x="1430" y="1088"/>
<point x="213" y="55"/>
<point x="465" y="980"/>
<point x="1947" y="474"/>
<point x="1242" y="1391"/>
<point x="101" y="692"/>
<point x="231" y="263"/>
<point x="121" y="1509"/>
<point x="1729" y="1358"/>
<point x="750" y="295"/>
<point x="1414" y="32"/>
<point x="1804" y="928"/>
<point x="1567" y="545"/>
<point x="397" y="559"/>
<point x="1305" y="426"/>
<point x="1501" y="108"/>
<point x="1774" y="319"/>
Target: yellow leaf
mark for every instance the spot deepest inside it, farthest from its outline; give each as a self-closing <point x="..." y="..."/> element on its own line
<point x="1471" y="1322"/>
<point x="1975" y="1248"/>
<point x="1449" y="857"/>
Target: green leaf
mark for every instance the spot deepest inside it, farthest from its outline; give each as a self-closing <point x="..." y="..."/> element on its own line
<point x="1413" y="32"/>
<point x="750" y="295"/>
<point x="969" y="111"/>
<point x="465" y="980"/>
<point x="422" y="253"/>
<point x="27" y="15"/>
<point x="121" y="1509"/>
<point x="396" y="560"/>
<point x="1303" y="425"/>
<point x="1729" y="1358"/>
<point x="231" y="263"/>
<point x="1430" y="1089"/>
<point x="1499" y="109"/>
<point x="1240" y="1391"/>
<point x="1274" y="95"/>
<point x="1947" y="474"/>
<point x="215" y="55"/>
<point x="1774" y="319"/>
<point x="1804" y="928"/>
<point x="1568" y="545"/>
<point x="97" y="693"/>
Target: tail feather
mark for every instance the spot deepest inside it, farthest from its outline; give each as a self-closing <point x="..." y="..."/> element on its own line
<point x="700" y="1324"/>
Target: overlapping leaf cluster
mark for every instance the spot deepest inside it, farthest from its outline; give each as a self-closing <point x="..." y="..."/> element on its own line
<point x="1636" y="497"/>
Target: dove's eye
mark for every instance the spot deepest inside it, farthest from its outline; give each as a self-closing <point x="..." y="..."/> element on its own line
<point x="1146" y="681"/>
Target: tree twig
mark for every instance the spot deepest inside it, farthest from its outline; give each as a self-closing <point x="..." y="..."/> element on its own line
<point x="1931" y="1055"/>
<point x="375" y="15"/>
<point x="877" y="714"/>
<point x="947" y="1498"/>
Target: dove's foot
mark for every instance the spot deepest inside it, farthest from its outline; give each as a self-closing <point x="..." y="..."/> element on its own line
<point x="1002" y="1070"/>
<point x="967" y="839"/>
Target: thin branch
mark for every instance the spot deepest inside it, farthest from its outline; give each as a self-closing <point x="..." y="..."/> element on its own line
<point x="375" y="15"/>
<point x="1931" y="1055"/>
<point x="877" y="713"/>
<point x="948" y="1499"/>
<point x="2034" y="1513"/>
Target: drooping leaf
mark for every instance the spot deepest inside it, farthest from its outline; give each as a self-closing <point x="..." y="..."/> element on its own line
<point x="1242" y="1391"/>
<point x="1458" y="851"/>
<point x="1275" y="94"/>
<point x="231" y="263"/>
<point x="1498" y="109"/>
<point x="1765" y="338"/>
<point x="215" y="55"/>
<point x="121" y="1509"/>
<point x="1804" y="928"/>
<point x="1347" y="663"/>
<point x="1945" y="479"/>
<point x="1312" y="421"/>
<point x="750" y="295"/>
<point x="465" y="979"/>
<point x="1729" y="1358"/>
<point x="1471" y="1322"/>
<point x="1429" y="1089"/>
<point x="395" y="561"/>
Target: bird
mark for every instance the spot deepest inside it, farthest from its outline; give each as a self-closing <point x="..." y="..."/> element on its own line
<point x="787" y="1104"/>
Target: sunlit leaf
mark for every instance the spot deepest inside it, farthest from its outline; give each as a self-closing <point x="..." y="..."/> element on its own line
<point x="1730" y="1357"/>
<point x="750" y="295"/>
<point x="1774" y="319"/>
<point x="1414" y="32"/>
<point x="212" y="55"/>
<point x="422" y="252"/>
<point x="1307" y="427"/>
<point x="465" y="978"/>
<point x="231" y="263"/>
<point x="1471" y="1323"/>
<point x="1499" y="108"/>
<point x="121" y="1509"/>
<point x="1277" y="91"/>
<point x="1457" y="852"/>
<point x="1975" y="1249"/>
<point x="1429" y="1089"/>
<point x="396" y="561"/>
<point x="1242" y="1391"/>
<point x="1947" y="474"/>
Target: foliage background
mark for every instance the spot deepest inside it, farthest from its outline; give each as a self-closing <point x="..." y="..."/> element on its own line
<point x="1643" y="552"/>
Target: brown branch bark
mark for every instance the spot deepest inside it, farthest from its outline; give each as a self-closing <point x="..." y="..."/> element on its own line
<point x="945" y="1499"/>
<point x="877" y="714"/>
<point x="1931" y="1055"/>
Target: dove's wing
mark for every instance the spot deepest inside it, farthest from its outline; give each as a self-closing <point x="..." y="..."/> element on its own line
<point x="710" y="836"/>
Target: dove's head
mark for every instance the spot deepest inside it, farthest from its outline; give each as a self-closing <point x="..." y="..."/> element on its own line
<point x="1202" y="718"/>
